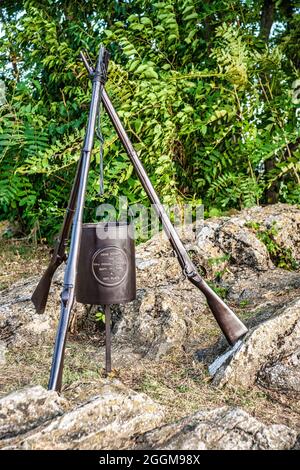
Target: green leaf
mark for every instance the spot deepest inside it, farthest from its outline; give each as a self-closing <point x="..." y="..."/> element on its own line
<point x="138" y="124"/>
<point x="141" y="68"/>
<point x="132" y="18"/>
<point x="203" y="129"/>
<point x="150" y="73"/>
<point x="145" y="20"/>
<point x="133" y="65"/>
<point x="191" y="17"/>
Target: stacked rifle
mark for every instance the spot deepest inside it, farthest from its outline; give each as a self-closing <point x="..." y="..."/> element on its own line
<point x="102" y="272"/>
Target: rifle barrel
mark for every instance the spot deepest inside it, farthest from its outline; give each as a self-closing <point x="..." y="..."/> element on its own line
<point x="229" y="323"/>
<point x="68" y="292"/>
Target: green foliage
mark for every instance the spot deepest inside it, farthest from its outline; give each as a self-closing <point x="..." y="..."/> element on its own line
<point x="219" y="290"/>
<point x="244" y="303"/>
<point x="217" y="261"/>
<point x="100" y="316"/>
<point x="206" y="99"/>
<point x="281" y="256"/>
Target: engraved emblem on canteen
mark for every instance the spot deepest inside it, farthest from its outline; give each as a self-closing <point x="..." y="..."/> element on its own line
<point x="110" y="266"/>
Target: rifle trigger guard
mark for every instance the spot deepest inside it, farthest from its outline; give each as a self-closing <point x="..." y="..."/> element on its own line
<point x="188" y="274"/>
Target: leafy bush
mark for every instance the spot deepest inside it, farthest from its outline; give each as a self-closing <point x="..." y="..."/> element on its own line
<point x="205" y="93"/>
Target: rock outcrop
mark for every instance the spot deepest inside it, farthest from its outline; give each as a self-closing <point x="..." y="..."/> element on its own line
<point x="252" y="259"/>
<point x="20" y="325"/>
<point x="108" y="420"/>
<point x="119" y="418"/>
<point x="270" y="341"/>
<point x="26" y="409"/>
<point x="282" y="375"/>
<point x="220" y="429"/>
<point x="238" y="239"/>
<point x="232" y="254"/>
<point x="3" y="351"/>
<point x="167" y="314"/>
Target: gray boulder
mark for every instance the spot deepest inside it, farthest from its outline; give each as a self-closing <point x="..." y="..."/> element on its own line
<point x="279" y="336"/>
<point x="168" y="312"/>
<point x="25" y="409"/>
<point x="20" y="325"/>
<point x="283" y="376"/>
<point x="220" y="429"/>
<point x="107" y="421"/>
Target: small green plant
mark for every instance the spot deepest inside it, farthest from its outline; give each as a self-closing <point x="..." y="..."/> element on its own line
<point x="254" y="225"/>
<point x="214" y="212"/>
<point x="281" y="256"/>
<point x="215" y="262"/>
<point x="247" y="314"/>
<point x="221" y="291"/>
<point x="183" y="388"/>
<point x="100" y="316"/>
<point x="244" y="303"/>
<point x="218" y="260"/>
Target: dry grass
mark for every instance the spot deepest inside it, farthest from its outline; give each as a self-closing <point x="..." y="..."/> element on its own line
<point x="183" y="386"/>
<point x="179" y="382"/>
<point x="19" y="260"/>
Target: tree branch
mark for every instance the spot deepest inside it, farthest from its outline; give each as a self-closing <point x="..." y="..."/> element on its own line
<point x="267" y="19"/>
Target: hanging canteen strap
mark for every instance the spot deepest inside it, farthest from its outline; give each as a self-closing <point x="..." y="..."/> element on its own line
<point x="101" y="140"/>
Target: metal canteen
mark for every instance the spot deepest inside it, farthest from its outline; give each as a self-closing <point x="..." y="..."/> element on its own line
<point x="106" y="267"/>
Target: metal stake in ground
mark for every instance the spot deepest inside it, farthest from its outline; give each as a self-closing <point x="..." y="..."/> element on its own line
<point x="107" y="339"/>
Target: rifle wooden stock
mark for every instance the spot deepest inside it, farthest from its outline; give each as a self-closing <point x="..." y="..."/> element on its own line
<point x="41" y="292"/>
<point x="229" y="323"/>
